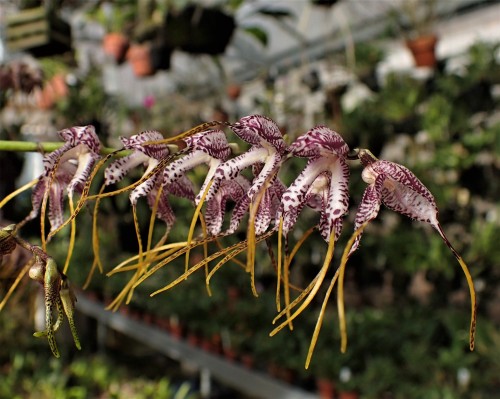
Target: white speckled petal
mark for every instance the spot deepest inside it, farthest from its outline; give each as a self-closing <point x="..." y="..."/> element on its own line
<point x="119" y="168"/>
<point x="369" y="207"/>
<point x="404" y="193"/>
<point x="212" y="142"/>
<point x="338" y="198"/>
<point x="232" y="167"/>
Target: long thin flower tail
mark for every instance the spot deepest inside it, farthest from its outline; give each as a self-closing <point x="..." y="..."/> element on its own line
<point x="470" y="283"/>
<point x="95" y="243"/>
<point x="17" y="192"/>
<point x="72" y="237"/>
<point x="196" y="215"/>
<point x="234" y="250"/>
<point x="309" y="293"/>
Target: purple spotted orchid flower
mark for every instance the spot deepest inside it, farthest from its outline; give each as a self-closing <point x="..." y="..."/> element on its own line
<point x="66" y="168"/>
<point x="268" y="148"/>
<point x="322" y="185"/>
<point x="209" y="147"/>
<point x="400" y="190"/>
<point x="150" y="156"/>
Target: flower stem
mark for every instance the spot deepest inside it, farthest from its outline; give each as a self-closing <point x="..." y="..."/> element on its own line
<point x="32" y="146"/>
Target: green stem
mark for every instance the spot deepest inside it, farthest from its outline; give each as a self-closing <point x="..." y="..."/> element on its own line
<point x="30" y="146"/>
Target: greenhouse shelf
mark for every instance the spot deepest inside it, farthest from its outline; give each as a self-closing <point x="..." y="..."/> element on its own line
<point x="249" y="382"/>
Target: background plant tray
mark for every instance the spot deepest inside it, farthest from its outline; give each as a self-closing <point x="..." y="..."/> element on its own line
<point x="38" y="32"/>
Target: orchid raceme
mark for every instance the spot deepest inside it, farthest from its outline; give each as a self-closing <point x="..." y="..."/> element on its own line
<point x="231" y="188"/>
<point x="156" y="188"/>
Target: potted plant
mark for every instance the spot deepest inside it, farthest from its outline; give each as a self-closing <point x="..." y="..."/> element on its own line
<point x="139" y="55"/>
<point x="416" y="19"/>
<point x="54" y="87"/>
<point x="117" y="19"/>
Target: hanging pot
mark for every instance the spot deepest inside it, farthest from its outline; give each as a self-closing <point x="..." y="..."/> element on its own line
<point x="198" y="30"/>
<point x="139" y="57"/>
<point x="115" y="45"/>
<point x="423" y="50"/>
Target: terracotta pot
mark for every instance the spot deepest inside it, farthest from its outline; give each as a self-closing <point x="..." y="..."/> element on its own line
<point x="348" y="395"/>
<point x="207" y="345"/>
<point x="45" y="98"/>
<point x="53" y="90"/>
<point x="233" y="91"/>
<point x="325" y="388"/>
<point x="115" y="44"/>
<point x="58" y="83"/>
<point x="139" y="56"/>
<point x="247" y="360"/>
<point x="193" y="339"/>
<point x="423" y="50"/>
<point x="176" y="330"/>
<point x="230" y="354"/>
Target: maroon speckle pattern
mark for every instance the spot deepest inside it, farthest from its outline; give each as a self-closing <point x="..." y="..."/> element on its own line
<point x="255" y="128"/>
<point x="317" y="141"/>
<point x="212" y="142"/>
<point x="136" y="142"/>
<point x="205" y="148"/>
<point x="400" y="190"/>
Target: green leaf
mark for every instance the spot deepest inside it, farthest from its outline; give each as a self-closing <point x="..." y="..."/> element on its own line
<point x="258" y="33"/>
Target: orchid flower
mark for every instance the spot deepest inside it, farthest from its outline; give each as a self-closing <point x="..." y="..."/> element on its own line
<point x="149" y="156"/>
<point x="323" y="185"/>
<point x="268" y="147"/>
<point x="400" y="190"/>
<point x="59" y="297"/>
<point x="153" y="188"/>
<point x="209" y="147"/>
<point x="266" y="155"/>
<point x="65" y="168"/>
